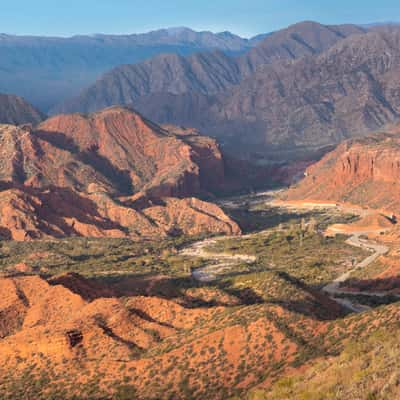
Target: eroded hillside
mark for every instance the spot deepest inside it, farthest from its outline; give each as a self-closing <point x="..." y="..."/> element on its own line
<point x="112" y="173"/>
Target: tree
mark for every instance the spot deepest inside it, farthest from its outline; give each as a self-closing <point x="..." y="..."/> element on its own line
<point x="312" y="226"/>
<point x="125" y="392"/>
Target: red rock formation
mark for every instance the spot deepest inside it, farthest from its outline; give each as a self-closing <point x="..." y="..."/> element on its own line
<point x="362" y="171"/>
<point x="138" y="153"/>
<point x="111" y="173"/>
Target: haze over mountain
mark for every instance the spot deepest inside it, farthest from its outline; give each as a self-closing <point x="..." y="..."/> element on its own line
<point x="15" y="110"/>
<point x="204" y="73"/>
<point x="309" y="85"/>
<point x="46" y="70"/>
<point x="382" y="23"/>
<point x="349" y="90"/>
<point x="317" y="98"/>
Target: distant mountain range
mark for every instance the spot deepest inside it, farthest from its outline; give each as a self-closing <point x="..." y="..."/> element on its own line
<point x="203" y="73"/>
<point x="306" y="87"/>
<point x="47" y="70"/>
<point x="264" y="98"/>
<point x="288" y="94"/>
<point x="384" y="23"/>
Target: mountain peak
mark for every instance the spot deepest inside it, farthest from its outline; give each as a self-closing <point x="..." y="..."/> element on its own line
<point x="179" y="30"/>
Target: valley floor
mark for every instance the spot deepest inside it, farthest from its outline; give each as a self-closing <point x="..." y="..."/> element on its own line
<point x="219" y="262"/>
<point x="193" y="317"/>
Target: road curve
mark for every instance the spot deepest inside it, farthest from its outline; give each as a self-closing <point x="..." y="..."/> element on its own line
<point x="220" y="262"/>
<point x="333" y="288"/>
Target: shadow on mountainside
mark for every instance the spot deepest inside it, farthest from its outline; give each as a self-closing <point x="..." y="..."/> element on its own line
<point x="61" y="203"/>
<point x="389" y="284"/>
<point x="131" y="285"/>
<point x="187" y="292"/>
<point x="256" y="220"/>
<point x="90" y="156"/>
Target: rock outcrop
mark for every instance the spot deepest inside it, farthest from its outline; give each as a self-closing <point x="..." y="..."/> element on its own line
<point x="360" y="171"/>
<point x="111" y="173"/>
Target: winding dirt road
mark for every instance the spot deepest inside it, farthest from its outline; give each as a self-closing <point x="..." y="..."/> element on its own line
<point x="218" y="263"/>
<point x="333" y="288"/>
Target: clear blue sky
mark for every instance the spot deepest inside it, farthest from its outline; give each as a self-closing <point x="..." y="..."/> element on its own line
<point x="244" y="17"/>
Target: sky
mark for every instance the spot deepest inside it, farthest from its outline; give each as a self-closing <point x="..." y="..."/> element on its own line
<point x="243" y="17"/>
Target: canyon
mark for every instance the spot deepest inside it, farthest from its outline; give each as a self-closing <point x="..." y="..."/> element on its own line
<point x="218" y="222"/>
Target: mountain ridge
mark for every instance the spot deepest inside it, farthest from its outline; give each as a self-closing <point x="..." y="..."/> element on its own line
<point x="315" y="101"/>
<point x="205" y="73"/>
<point x="45" y="70"/>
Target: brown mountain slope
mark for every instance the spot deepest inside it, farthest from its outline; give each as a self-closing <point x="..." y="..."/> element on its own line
<point x="168" y="73"/>
<point x="206" y="73"/>
<point x="360" y="171"/>
<point x="296" y="41"/>
<point x="112" y="173"/>
<point x="349" y="90"/>
<point x="15" y="110"/>
<point x="346" y="376"/>
<point x="57" y="342"/>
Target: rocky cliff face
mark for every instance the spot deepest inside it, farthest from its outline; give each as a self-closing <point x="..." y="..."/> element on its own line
<point x="363" y="171"/>
<point x="15" y="110"/>
<point x="111" y="173"/>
